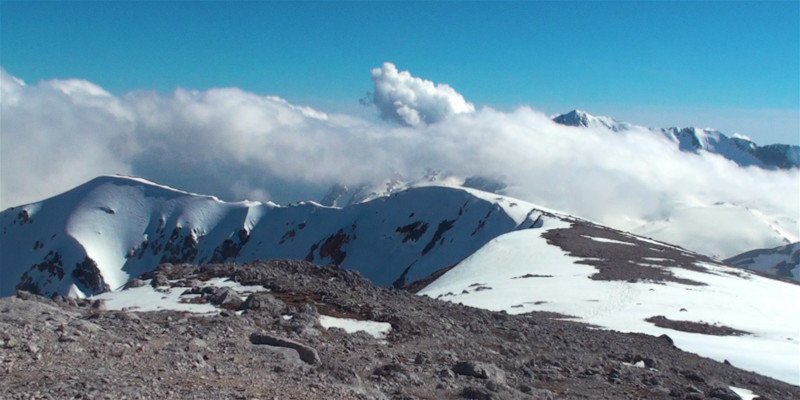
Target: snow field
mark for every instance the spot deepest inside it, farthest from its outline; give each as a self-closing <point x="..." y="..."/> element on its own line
<point x="378" y="330"/>
<point x="493" y="278"/>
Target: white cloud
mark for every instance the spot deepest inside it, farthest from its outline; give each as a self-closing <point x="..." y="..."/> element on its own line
<point x="412" y="101"/>
<point x="51" y="139"/>
<point x="236" y="145"/>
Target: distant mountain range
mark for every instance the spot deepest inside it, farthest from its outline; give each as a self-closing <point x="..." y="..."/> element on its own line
<point x="742" y="151"/>
<point x="780" y="261"/>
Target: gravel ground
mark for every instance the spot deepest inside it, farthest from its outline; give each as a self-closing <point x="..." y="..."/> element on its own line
<point x="65" y="349"/>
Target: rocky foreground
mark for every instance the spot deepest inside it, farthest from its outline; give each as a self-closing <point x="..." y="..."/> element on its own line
<point x="272" y="346"/>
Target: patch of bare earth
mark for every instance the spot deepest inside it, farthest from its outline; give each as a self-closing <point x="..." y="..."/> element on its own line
<point x="621" y="257"/>
<point x="695" y="327"/>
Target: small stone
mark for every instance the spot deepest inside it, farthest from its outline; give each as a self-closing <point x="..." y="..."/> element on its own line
<point x="667" y="339"/>
<point x="209" y="290"/>
<point x="476" y="394"/>
<point x="446" y="373"/>
<point x="480" y="370"/>
<point x="134" y="283"/>
<point x="118" y="350"/>
<point x="392" y="370"/>
<point x="226" y="297"/>
<point x="159" y="280"/>
<point x="31" y="348"/>
<point x="10" y="343"/>
<point x="265" y="302"/>
<point x="694" y="376"/>
<point x="25" y="295"/>
<point x="196" y="344"/>
<point x="65" y="339"/>
<point x="99" y="305"/>
<point x="693" y="389"/>
<point x="648" y="361"/>
<point x="541" y="394"/>
<point x="723" y="393"/>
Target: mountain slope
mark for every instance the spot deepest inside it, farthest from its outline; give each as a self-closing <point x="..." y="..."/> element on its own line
<point x="627" y="283"/>
<point x="742" y="151"/>
<point x="433" y="349"/>
<point x="95" y="237"/>
<point x="781" y="261"/>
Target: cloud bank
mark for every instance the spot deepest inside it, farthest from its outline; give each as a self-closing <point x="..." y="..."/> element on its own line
<point x="238" y="145"/>
<point x="412" y="101"/>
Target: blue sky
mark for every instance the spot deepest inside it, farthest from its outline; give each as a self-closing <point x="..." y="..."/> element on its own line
<point x="731" y="65"/>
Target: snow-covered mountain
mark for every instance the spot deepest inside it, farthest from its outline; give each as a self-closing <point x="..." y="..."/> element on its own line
<point x="341" y="195"/>
<point x="95" y="237"/>
<point x="719" y="229"/>
<point x="742" y="151"/>
<point x="627" y="283"/>
<point x="583" y="119"/>
<point x="781" y="261"/>
<point x="458" y="244"/>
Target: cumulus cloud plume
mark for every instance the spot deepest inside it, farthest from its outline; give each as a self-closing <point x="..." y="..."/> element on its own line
<point x="235" y="144"/>
<point x="412" y="101"/>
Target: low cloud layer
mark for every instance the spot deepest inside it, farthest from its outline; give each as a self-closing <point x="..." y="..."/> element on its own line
<point x="412" y="101"/>
<point x="238" y="145"/>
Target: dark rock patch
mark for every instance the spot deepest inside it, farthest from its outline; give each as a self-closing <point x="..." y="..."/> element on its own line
<point x="413" y="231"/>
<point x="332" y="247"/>
<point x="443" y="227"/>
<point x="623" y="262"/>
<point x="89" y="277"/>
<point x="532" y="276"/>
<point x="229" y="249"/>
<point x="695" y="327"/>
<point x="50" y="269"/>
<point x="288" y="235"/>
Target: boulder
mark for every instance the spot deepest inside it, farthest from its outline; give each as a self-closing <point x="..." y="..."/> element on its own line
<point x="307" y="354"/>
<point x="480" y="370"/>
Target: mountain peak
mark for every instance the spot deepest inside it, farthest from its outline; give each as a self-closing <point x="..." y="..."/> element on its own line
<point x="114" y="183"/>
<point x="580" y="118"/>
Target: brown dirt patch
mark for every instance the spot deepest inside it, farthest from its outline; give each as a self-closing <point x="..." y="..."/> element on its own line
<point x="695" y="327"/>
<point x="621" y="257"/>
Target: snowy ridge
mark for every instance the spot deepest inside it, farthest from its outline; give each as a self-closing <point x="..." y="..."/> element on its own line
<point x="781" y="261"/>
<point x="740" y="150"/>
<point x="583" y="119"/>
<point x="736" y="227"/>
<point x="341" y="195"/>
<point x="95" y="237"/>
